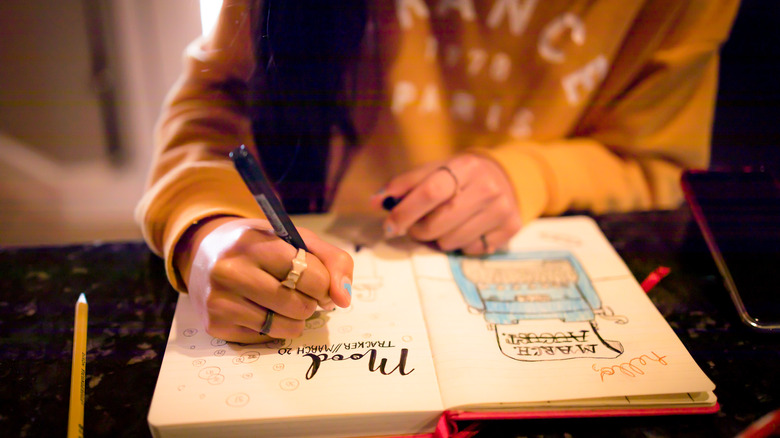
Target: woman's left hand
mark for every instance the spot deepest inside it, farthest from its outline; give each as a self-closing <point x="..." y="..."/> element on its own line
<point x="465" y="203"/>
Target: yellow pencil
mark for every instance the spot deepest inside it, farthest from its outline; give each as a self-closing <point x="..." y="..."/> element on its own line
<point x="78" y="374"/>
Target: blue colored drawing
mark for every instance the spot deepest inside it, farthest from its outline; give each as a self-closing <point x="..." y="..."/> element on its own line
<point x="512" y="290"/>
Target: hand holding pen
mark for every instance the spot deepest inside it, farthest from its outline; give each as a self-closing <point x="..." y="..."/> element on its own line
<point x="467" y="203"/>
<point x="254" y="279"/>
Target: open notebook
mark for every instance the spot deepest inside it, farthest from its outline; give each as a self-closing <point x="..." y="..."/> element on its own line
<point x="557" y="326"/>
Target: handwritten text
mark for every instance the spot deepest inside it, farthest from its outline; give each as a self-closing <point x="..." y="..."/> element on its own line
<point x="318" y="359"/>
<point x="632" y="368"/>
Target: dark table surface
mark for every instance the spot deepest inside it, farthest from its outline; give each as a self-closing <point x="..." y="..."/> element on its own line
<point x="131" y="306"/>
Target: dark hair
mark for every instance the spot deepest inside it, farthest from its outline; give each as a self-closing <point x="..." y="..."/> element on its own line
<point x="306" y="52"/>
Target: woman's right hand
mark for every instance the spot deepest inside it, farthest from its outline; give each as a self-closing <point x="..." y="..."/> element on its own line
<point x="234" y="267"/>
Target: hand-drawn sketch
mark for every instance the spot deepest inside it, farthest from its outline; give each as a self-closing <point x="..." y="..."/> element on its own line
<point x="541" y="304"/>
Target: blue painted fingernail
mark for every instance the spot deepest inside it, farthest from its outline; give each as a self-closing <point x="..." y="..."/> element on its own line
<point x="348" y="287"/>
<point x="389" y="230"/>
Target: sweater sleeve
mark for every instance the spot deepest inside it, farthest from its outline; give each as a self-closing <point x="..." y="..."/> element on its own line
<point x="651" y="119"/>
<point x="203" y="119"/>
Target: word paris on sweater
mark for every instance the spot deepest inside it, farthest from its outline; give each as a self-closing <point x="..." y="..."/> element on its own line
<point x="496" y="66"/>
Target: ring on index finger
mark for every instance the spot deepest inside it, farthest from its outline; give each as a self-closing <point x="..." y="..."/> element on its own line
<point x="454" y="179"/>
<point x="298" y="266"/>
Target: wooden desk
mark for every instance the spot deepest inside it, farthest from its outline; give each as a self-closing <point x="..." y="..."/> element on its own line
<point x="131" y="307"/>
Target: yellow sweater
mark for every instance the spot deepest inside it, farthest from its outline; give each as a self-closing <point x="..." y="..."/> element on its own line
<point x="595" y="105"/>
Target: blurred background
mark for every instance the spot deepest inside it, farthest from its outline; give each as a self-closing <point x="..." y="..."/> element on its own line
<point x="81" y="84"/>
<point x="82" y="81"/>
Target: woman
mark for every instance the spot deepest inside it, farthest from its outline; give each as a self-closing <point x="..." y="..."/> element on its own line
<point x="477" y="116"/>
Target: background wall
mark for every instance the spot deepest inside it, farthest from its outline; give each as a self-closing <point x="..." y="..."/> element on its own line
<point x="63" y="179"/>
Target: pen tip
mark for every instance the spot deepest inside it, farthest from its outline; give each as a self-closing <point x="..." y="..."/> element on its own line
<point x="82" y="298"/>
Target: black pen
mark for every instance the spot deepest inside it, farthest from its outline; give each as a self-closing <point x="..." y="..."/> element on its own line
<point x="261" y="189"/>
<point x="390" y="202"/>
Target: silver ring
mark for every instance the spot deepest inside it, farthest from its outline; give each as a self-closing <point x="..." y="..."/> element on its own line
<point x="298" y="266"/>
<point x="269" y="317"/>
<point x="454" y="178"/>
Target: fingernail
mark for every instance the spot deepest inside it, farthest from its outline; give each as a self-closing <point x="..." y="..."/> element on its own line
<point x="390" y="230"/>
<point x="330" y="305"/>
<point x="347" y="286"/>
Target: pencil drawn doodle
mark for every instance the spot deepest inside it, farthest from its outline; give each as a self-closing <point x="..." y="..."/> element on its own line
<point x="246" y="357"/>
<point x="289" y="384"/>
<point x="238" y="400"/>
<point x="212" y="374"/>
<point x="190" y="332"/>
<point x="541" y="304"/>
<point x="315" y="322"/>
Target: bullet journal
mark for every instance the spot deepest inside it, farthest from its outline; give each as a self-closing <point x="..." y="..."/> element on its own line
<point x="555" y="326"/>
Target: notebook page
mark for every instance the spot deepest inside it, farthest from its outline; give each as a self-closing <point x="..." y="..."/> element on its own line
<point x="559" y="317"/>
<point x="368" y="359"/>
